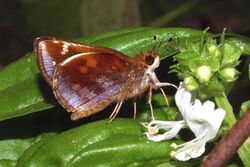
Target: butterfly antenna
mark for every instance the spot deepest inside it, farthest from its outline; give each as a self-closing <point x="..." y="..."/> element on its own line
<point x="154" y="43"/>
<point x="172" y="43"/>
<point x="163" y="39"/>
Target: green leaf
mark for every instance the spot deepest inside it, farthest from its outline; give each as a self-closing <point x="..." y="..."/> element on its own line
<point x="23" y="98"/>
<point x="98" y="144"/>
<point x="33" y="149"/>
<point x="18" y="71"/>
<point x="231" y="54"/>
<point x="240" y="41"/>
<point x="7" y="163"/>
<point x="12" y="149"/>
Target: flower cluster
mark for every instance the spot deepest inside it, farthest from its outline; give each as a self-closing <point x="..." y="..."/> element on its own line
<point x="202" y="119"/>
<point x="207" y="66"/>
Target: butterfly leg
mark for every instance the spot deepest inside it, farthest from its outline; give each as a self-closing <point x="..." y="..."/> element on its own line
<point x="118" y="105"/>
<point x="161" y="84"/>
<point x="134" y="109"/>
<point x="165" y="96"/>
<point x="115" y="111"/>
<point x="150" y="102"/>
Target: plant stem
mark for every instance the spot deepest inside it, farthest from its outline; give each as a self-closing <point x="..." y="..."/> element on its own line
<point x="222" y="102"/>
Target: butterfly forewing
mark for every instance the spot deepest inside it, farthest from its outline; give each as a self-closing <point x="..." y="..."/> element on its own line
<point x="88" y="82"/>
<point x="51" y="51"/>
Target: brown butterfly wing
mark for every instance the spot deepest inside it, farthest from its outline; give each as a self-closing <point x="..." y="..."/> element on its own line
<point x="51" y="51"/>
<point x="88" y="82"/>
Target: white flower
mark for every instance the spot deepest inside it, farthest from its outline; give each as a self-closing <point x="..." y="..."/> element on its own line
<point x="171" y="128"/>
<point x="202" y="119"/>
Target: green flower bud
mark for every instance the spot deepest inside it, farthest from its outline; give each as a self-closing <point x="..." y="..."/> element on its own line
<point x="191" y="83"/>
<point x="204" y="73"/>
<point x="229" y="74"/>
<point x="214" y="50"/>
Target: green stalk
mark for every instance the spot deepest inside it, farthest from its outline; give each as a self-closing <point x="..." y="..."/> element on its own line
<point x="222" y="102"/>
<point x="230" y="119"/>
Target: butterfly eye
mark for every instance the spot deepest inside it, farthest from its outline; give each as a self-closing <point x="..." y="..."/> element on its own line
<point x="149" y="60"/>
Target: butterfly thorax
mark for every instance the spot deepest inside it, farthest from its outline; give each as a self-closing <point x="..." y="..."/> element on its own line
<point x="143" y="75"/>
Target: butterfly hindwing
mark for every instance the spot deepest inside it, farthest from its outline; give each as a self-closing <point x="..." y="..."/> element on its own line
<point x="88" y="82"/>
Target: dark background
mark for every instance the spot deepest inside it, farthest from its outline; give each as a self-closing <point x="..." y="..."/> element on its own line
<point x="23" y="20"/>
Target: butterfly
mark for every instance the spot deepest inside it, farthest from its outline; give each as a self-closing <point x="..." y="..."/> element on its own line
<point x="86" y="78"/>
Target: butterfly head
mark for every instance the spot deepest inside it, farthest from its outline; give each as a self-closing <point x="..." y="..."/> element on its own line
<point x="150" y="58"/>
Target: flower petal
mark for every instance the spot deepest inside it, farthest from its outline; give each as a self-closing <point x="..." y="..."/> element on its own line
<point x="191" y="149"/>
<point x="204" y="118"/>
<point x="216" y="119"/>
<point x="209" y="106"/>
<point x="185" y="154"/>
<point x="171" y="128"/>
<point x="183" y="99"/>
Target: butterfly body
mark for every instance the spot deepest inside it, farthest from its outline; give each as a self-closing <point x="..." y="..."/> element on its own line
<point x="86" y="79"/>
